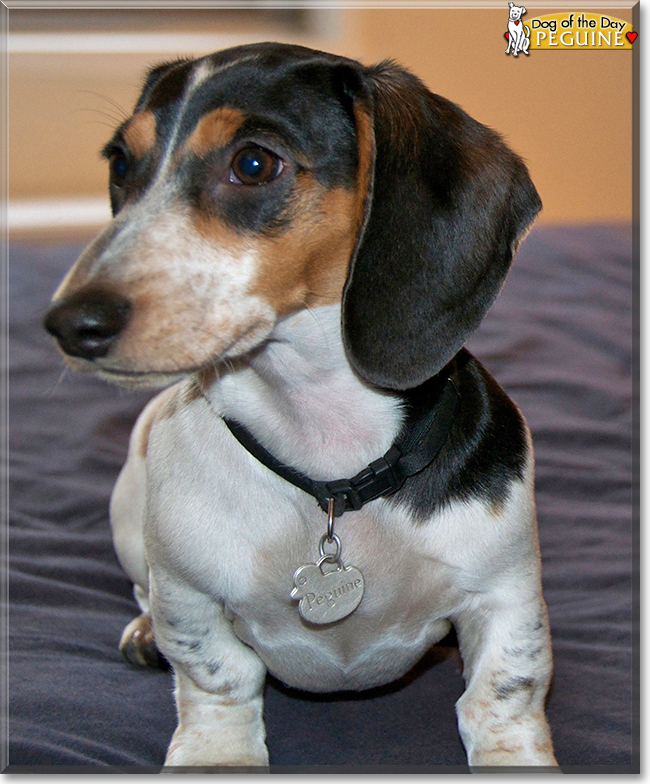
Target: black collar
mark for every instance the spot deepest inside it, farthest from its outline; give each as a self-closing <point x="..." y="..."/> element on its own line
<point x="421" y="440"/>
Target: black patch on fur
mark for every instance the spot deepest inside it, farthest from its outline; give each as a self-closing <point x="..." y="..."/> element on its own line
<point x="191" y="645"/>
<point x="165" y="86"/>
<point x="212" y="667"/>
<point x="152" y="78"/>
<point x="486" y="448"/>
<point x="513" y="686"/>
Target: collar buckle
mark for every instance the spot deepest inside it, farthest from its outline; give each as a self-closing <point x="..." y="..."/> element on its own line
<point x="380" y="477"/>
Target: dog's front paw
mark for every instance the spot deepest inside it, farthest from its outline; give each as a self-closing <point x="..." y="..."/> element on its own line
<point x="215" y="753"/>
<point x="181" y="758"/>
<point x="522" y="749"/>
<point x="139" y="646"/>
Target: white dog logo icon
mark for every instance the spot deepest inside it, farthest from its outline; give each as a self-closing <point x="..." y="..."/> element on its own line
<point x="518" y="33"/>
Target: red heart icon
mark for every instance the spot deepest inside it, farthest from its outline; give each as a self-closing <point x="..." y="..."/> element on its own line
<point x="507" y="35"/>
<point x="517" y="22"/>
<point x="631" y="37"/>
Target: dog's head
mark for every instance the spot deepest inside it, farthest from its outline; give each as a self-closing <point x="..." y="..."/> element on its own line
<point x="516" y="11"/>
<point x="267" y="178"/>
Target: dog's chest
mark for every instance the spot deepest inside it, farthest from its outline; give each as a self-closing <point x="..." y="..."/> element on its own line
<point x="243" y="531"/>
<point x="402" y="603"/>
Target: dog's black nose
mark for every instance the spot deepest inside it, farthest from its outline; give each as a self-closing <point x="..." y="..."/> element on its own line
<point x="87" y="324"/>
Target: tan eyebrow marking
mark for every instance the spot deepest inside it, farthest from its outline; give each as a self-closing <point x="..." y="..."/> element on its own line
<point x="214" y="130"/>
<point x="140" y="133"/>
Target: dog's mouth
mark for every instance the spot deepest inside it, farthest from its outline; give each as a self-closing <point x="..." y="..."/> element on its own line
<point x="136" y="379"/>
<point x="249" y="341"/>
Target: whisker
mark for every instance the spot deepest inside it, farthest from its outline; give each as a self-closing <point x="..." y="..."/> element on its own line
<point x="90" y="110"/>
<point x="58" y="382"/>
<point x="109" y="125"/>
<point x="122" y="112"/>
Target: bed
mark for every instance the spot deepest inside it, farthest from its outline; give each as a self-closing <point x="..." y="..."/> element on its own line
<point x="559" y="339"/>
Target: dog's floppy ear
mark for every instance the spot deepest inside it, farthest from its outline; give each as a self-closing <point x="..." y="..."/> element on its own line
<point x="447" y="203"/>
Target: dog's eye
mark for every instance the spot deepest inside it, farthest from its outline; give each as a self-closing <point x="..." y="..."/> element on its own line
<point x="255" y="166"/>
<point x="119" y="168"/>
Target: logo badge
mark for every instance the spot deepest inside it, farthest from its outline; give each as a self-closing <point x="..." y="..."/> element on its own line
<point x="518" y="35"/>
<point x="566" y="30"/>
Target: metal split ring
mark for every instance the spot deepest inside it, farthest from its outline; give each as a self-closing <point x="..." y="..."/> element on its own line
<point x="331" y="557"/>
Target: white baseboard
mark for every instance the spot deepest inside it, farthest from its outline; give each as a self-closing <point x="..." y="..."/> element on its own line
<point x="57" y="213"/>
<point x="126" y="43"/>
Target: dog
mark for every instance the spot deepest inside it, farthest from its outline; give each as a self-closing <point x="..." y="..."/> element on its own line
<point x="518" y="32"/>
<point x="301" y="245"/>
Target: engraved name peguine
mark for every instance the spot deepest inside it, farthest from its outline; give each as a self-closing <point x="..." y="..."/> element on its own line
<point x="327" y="597"/>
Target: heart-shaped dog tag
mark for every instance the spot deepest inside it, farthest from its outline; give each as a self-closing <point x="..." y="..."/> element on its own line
<point x="326" y="597"/>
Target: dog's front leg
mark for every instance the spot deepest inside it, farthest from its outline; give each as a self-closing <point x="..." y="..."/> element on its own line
<point x="507" y="665"/>
<point x="219" y="681"/>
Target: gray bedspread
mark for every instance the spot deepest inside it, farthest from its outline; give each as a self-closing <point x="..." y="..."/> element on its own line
<point x="559" y="340"/>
